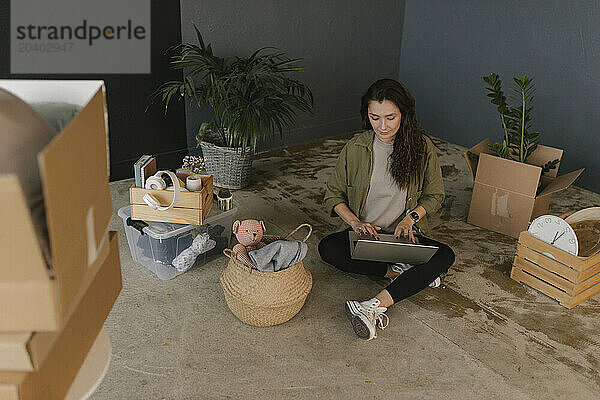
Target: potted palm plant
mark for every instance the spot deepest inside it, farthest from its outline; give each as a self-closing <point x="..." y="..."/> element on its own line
<point x="249" y="100"/>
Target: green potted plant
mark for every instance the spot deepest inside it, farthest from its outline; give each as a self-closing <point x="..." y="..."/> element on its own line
<point x="514" y="178"/>
<point x="519" y="142"/>
<point x="249" y="100"/>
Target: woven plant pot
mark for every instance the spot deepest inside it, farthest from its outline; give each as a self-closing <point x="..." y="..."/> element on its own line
<point x="265" y="298"/>
<point x="229" y="168"/>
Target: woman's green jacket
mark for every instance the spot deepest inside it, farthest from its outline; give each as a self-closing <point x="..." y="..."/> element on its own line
<point x="349" y="182"/>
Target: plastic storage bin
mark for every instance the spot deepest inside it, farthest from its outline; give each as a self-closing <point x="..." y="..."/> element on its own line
<point x="156" y="244"/>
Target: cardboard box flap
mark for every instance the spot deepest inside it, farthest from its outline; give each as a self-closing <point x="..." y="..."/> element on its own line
<point x="72" y="91"/>
<point x="78" y="92"/>
<point x="13" y="348"/>
<point x="481" y="147"/>
<point x="509" y="175"/>
<point x="17" y="228"/>
<point x="560" y="183"/>
<point x="77" y="196"/>
<point x="542" y="155"/>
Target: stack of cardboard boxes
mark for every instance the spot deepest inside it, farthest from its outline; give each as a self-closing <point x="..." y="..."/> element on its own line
<point x="51" y="315"/>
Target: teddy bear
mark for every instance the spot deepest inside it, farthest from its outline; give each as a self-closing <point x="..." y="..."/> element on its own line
<point x="249" y="234"/>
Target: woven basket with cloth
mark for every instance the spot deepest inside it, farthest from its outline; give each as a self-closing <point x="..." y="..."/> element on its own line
<point x="265" y="298"/>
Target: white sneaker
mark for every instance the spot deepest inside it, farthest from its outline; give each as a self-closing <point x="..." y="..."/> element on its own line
<point x="365" y="317"/>
<point x="436" y="283"/>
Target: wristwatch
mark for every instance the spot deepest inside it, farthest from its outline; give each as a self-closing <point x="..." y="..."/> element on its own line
<point x="415" y="216"/>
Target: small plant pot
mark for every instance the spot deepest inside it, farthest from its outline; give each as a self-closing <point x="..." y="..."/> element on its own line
<point x="229" y="167"/>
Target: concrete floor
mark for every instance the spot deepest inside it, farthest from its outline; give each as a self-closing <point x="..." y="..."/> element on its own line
<point x="481" y="335"/>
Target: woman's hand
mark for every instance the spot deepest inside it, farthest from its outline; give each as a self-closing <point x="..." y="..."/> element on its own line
<point x="362" y="228"/>
<point x="365" y="228"/>
<point x="404" y="229"/>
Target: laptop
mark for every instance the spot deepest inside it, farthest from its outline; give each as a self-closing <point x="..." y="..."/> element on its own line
<point x="389" y="249"/>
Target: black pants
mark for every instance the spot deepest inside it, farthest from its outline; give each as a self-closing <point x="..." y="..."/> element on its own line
<point x="335" y="250"/>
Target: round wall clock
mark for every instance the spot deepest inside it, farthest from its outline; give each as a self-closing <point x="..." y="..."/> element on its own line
<point x="555" y="231"/>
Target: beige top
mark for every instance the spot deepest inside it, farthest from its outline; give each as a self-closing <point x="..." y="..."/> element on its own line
<point x="385" y="202"/>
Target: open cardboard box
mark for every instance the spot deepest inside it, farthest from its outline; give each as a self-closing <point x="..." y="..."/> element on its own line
<point x="69" y="347"/>
<point x="508" y="194"/>
<point x="74" y="170"/>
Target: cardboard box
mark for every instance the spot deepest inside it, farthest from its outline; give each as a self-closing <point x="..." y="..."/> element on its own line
<point x="74" y="170"/>
<point x="26" y="351"/>
<point x="192" y="208"/>
<point x="505" y="192"/>
<point x="71" y="346"/>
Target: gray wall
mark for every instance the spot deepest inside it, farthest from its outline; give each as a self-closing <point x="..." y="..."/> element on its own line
<point x="346" y="45"/>
<point x="449" y="45"/>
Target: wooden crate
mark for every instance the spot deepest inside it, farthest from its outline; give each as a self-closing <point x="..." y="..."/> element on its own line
<point x="568" y="279"/>
<point x="192" y="208"/>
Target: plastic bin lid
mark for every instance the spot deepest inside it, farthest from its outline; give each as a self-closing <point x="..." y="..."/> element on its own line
<point x="158" y="230"/>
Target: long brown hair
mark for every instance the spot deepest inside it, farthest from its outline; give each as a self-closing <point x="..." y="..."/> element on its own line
<point x="407" y="156"/>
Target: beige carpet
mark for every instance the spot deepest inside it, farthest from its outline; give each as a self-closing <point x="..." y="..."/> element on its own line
<point x="481" y="335"/>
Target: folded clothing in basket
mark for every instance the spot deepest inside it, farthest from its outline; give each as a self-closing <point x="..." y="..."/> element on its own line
<point x="278" y="255"/>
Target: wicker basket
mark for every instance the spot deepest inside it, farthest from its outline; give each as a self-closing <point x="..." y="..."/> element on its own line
<point x="230" y="168"/>
<point x="265" y="298"/>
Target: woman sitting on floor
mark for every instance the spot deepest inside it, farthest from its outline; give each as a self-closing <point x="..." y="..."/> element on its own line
<point x="386" y="179"/>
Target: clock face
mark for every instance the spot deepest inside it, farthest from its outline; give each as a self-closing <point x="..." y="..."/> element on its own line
<point x="555" y="231"/>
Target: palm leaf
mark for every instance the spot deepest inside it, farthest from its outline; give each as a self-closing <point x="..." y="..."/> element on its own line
<point x="250" y="99"/>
